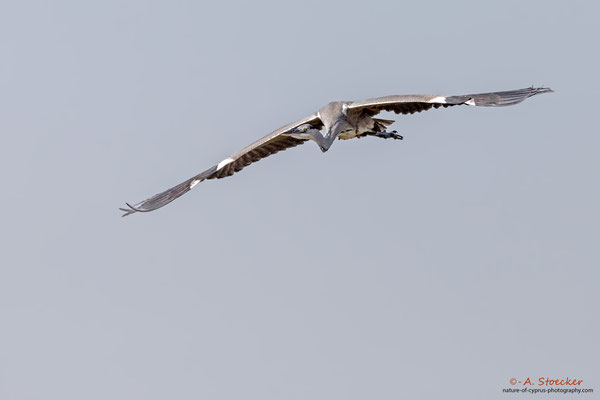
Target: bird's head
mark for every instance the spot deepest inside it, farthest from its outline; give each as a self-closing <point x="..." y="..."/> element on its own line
<point x="301" y="129"/>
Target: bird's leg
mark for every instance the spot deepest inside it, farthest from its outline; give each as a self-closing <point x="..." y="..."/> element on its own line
<point x="384" y="135"/>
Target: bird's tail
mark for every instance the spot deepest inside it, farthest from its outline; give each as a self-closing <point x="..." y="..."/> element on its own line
<point x="382" y="124"/>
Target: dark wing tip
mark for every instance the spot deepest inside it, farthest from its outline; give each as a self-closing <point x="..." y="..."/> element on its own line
<point x="516" y="96"/>
<point x="498" y="99"/>
<point x="159" y="200"/>
<point x="162" y="199"/>
<point x="131" y="210"/>
<point x="533" y="90"/>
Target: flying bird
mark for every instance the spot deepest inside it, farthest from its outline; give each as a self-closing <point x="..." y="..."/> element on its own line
<point x="338" y="119"/>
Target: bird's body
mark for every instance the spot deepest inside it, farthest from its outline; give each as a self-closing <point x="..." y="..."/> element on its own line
<point x="336" y="112"/>
<point x="338" y="119"/>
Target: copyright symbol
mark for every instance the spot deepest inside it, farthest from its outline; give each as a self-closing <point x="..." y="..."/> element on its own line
<point x="513" y="381"/>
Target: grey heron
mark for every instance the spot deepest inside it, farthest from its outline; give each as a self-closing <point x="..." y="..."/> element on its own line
<point x="339" y="119"/>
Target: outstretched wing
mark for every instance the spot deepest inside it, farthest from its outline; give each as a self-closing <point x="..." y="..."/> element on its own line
<point x="270" y="144"/>
<point x="410" y="104"/>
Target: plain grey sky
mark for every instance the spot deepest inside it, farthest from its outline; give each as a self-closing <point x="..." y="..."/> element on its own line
<point x="436" y="267"/>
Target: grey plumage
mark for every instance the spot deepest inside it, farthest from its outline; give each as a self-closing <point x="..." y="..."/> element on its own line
<point x="340" y="119"/>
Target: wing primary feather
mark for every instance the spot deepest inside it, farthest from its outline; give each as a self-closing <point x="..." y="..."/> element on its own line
<point x="163" y="198"/>
<point x="498" y="99"/>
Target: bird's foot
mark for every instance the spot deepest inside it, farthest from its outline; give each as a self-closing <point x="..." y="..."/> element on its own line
<point x="394" y="135"/>
<point x="387" y="135"/>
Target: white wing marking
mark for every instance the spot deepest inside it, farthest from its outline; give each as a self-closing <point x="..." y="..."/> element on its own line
<point x="439" y="99"/>
<point x="224" y="163"/>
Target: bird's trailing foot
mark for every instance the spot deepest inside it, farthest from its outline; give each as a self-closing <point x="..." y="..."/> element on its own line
<point x="384" y="135"/>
